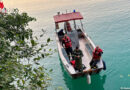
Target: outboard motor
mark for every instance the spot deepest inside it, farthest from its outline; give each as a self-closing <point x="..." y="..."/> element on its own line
<point x="88" y="79"/>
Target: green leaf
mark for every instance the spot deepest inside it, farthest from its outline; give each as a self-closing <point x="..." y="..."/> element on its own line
<point x="50" y="49"/>
<point x="42" y="55"/>
<point x="18" y="81"/>
<point x="33" y="43"/>
<point x="41" y="35"/>
<point x="42" y="45"/>
<point x="36" y="38"/>
<point x="48" y="40"/>
<point x="23" y="81"/>
<point x="39" y="83"/>
<point x="38" y="58"/>
<point x="50" y="70"/>
<point x="37" y="63"/>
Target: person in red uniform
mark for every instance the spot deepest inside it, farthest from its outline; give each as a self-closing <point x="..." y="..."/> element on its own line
<point x="66" y="43"/>
<point x="67" y="26"/>
<point x="97" y="53"/>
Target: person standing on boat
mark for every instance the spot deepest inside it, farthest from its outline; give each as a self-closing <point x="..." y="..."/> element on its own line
<point x="66" y="42"/>
<point x="67" y="26"/>
<point x="97" y="53"/>
<point x="78" y="58"/>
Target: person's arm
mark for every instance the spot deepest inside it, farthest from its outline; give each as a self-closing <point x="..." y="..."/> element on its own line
<point x="100" y="52"/>
<point x="81" y="54"/>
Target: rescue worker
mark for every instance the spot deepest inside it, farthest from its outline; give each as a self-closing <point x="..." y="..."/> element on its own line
<point x="97" y="53"/>
<point x="66" y="42"/>
<point x="78" y="59"/>
<point x="67" y="26"/>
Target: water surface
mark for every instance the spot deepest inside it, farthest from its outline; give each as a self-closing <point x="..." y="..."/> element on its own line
<point x="107" y="22"/>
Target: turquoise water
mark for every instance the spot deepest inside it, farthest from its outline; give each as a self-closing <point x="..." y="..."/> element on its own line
<point x="107" y="22"/>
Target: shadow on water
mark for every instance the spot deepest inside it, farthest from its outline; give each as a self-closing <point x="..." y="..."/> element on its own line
<point x="97" y="81"/>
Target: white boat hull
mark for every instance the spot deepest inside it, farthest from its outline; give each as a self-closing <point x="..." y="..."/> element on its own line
<point x="87" y="46"/>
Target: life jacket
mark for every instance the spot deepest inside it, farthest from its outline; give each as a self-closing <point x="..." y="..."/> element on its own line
<point x="73" y="63"/>
<point x="68" y="26"/>
<point x="97" y="53"/>
<point x="67" y="42"/>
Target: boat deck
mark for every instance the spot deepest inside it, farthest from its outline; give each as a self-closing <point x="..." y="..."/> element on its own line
<point x="85" y="46"/>
<point x="86" y="55"/>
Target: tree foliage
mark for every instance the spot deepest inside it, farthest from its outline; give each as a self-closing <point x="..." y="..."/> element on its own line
<point x="19" y="51"/>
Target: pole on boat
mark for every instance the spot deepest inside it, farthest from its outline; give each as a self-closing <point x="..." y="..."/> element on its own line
<point x="66" y="11"/>
<point x="88" y="79"/>
<point x="74" y="24"/>
<point x="82" y="25"/>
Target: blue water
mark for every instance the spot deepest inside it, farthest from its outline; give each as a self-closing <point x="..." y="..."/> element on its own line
<point x="107" y="22"/>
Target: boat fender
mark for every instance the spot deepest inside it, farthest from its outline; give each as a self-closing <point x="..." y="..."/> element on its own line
<point x="104" y="65"/>
<point x="88" y="79"/>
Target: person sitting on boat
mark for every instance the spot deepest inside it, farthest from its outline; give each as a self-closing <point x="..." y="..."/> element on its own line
<point x="78" y="59"/>
<point x="97" y="53"/>
<point x="67" y="26"/>
<point x="61" y="33"/>
<point x="66" y="42"/>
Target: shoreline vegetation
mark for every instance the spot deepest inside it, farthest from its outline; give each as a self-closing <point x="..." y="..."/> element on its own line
<point x="20" y="53"/>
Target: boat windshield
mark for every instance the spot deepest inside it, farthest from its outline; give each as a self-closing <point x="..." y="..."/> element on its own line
<point x="69" y="25"/>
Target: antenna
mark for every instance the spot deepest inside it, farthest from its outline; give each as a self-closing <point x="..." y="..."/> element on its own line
<point x="66" y="10"/>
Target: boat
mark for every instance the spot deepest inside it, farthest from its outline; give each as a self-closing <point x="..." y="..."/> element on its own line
<point x="79" y="38"/>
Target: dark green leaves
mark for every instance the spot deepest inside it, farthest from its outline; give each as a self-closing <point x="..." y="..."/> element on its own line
<point x="33" y="43"/>
<point x="48" y="40"/>
<point x="38" y="58"/>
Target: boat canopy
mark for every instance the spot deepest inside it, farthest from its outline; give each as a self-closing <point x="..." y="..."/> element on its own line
<point x="67" y="17"/>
